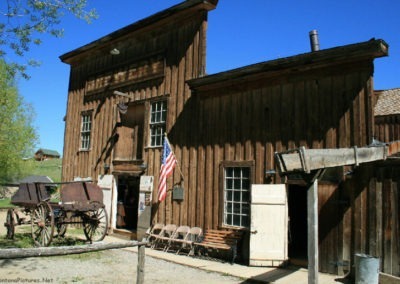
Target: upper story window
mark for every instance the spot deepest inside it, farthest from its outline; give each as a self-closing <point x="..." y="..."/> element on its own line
<point x="86" y="128"/>
<point x="158" y="118"/>
<point x="237" y="183"/>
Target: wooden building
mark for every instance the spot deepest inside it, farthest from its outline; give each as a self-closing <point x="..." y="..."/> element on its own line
<point x="130" y="87"/>
<point x="387" y="115"/>
<point x="45" y="154"/>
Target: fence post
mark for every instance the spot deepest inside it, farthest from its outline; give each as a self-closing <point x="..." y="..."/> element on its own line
<point x="140" y="265"/>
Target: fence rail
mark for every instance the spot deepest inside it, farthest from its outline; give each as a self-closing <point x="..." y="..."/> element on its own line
<point x="12" y="253"/>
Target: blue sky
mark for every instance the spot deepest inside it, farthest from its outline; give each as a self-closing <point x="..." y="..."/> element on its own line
<point x="239" y="33"/>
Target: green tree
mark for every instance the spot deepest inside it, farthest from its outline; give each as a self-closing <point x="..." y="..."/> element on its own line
<point x="26" y="21"/>
<point x="17" y="134"/>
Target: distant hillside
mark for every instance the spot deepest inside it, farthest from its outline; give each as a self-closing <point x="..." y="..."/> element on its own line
<point x="50" y="168"/>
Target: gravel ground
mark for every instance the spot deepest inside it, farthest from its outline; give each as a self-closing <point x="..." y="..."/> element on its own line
<point x="112" y="266"/>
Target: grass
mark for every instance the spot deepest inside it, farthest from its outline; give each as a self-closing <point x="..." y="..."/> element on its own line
<point x="23" y="239"/>
<point x="6" y="203"/>
<point x="50" y="168"/>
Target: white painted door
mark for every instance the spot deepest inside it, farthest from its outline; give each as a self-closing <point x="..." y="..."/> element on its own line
<point x="144" y="206"/>
<point x="106" y="183"/>
<point x="269" y="225"/>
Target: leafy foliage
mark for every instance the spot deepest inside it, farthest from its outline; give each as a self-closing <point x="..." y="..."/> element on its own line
<point x="25" y="21"/>
<point x="17" y="135"/>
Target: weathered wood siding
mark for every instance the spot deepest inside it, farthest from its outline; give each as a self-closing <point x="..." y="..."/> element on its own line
<point x="94" y="77"/>
<point x="387" y="128"/>
<point x="253" y="120"/>
<point x="250" y="121"/>
<point x="371" y="215"/>
<point x="326" y="105"/>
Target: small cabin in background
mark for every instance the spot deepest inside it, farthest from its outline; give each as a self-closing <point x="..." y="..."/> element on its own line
<point x="46" y="154"/>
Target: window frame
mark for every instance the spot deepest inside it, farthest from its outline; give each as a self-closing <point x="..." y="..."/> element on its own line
<point x="234" y="164"/>
<point x="156" y="124"/>
<point x="87" y="114"/>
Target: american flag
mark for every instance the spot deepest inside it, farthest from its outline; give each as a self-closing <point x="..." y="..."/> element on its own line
<point x="168" y="163"/>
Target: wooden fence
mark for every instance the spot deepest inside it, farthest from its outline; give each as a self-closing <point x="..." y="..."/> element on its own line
<point x="12" y="253"/>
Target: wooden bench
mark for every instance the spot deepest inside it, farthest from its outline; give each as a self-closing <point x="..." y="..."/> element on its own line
<point x="226" y="240"/>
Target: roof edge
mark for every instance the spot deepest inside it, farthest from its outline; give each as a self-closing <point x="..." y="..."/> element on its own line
<point x="365" y="50"/>
<point x="206" y="4"/>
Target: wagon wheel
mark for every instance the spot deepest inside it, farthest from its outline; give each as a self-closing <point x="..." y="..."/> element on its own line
<point x="9" y="224"/>
<point x="42" y="221"/>
<point x="95" y="224"/>
<point x="60" y="225"/>
<point x="61" y="230"/>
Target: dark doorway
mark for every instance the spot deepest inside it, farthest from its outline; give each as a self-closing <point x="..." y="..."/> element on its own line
<point x="127" y="205"/>
<point x="297" y="224"/>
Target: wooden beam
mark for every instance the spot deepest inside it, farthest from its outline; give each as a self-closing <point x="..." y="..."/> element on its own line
<point x="140" y="265"/>
<point x="307" y="160"/>
<point x="12" y="253"/>
<point x="312" y="232"/>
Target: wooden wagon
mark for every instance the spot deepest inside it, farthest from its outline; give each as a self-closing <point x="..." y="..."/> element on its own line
<point x="81" y="203"/>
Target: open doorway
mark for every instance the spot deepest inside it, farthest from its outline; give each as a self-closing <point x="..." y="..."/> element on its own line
<point x="297" y="199"/>
<point x="127" y="202"/>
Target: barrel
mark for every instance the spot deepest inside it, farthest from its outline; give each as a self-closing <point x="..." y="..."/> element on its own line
<point x="366" y="269"/>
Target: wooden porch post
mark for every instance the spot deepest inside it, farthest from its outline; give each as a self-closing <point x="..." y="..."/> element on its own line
<point x="312" y="225"/>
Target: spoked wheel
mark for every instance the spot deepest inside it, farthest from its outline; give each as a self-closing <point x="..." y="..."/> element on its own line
<point x="95" y="224"/>
<point x="9" y="224"/>
<point x="59" y="219"/>
<point x="42" y="220"/>
<point x="61" y="230"/>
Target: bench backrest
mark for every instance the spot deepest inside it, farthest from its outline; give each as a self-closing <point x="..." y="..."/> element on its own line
<point x="222" y="236"/>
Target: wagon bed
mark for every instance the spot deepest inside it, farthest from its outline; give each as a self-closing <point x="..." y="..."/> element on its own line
<point x="78" y="199"/>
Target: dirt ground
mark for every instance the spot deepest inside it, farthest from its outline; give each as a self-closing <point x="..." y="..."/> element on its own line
<point x="112" y="266"/>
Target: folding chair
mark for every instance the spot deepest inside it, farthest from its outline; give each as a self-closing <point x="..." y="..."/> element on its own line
<point x="193" y="236"/>
<point x="153" y="232"/>
<point x="166" y="233"/>
<point x="176" y="240"/>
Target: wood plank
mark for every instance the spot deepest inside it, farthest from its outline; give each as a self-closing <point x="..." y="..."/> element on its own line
<point x="372" y="209"/>
<point x="217" y="215"/>
<point x="325" y="158"/>
<point x="208" y="196"/>
<point x="387" y="226"/>
<point x="192" y="185"/>
<point x="200" y="192"/>
<point x="395" y="269"/>
<point x="12" y="253"/>
<point x="363" y="215"/>
<point x="312" y="232"/>
<point x="299" y="127"/>
<point x="379" y="215"/>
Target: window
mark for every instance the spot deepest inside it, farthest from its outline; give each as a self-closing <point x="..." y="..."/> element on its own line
<point x="86" y="127"/>
<point x="158" y="122"/>
<point x="237" y="196"/>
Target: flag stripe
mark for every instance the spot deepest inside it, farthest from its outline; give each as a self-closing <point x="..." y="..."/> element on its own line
<point x="168" y="163"/>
